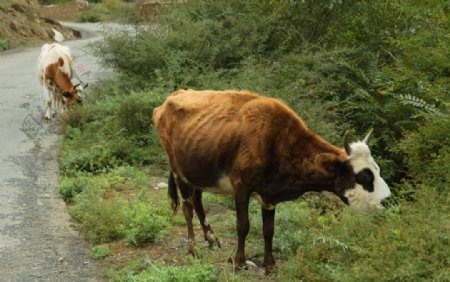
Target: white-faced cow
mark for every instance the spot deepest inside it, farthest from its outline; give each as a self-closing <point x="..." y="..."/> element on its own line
<point x="243" y="144"/>
<point x="55" y="70"/>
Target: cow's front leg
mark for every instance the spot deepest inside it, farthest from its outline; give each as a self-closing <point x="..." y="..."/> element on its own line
<point x="268" y="217"/>
<point x="243" y="226"/>
<point x="47" y="102"/>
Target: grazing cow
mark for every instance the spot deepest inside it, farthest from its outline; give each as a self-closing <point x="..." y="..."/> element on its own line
<point x="243" y="144"/>
<point x="55" y="70"/>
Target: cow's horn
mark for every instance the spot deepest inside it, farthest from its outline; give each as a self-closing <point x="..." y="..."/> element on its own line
<point x="347" y="148"/>
<point x="368" y="136"/>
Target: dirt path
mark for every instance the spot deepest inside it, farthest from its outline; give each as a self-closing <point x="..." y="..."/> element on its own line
<point x="37" y="241"/>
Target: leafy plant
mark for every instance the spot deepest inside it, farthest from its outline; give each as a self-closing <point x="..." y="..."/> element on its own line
<point x="100" y="252"/>
<point x="194" y="272"/>
<point x="146" y="223"/>
<point x="5" y="43"/>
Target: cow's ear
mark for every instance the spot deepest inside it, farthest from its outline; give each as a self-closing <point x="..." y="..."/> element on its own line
<point x="330" y="163"/>
<point x="67" y="94"/>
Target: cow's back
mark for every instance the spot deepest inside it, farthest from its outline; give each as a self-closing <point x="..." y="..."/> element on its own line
<point x="204" y="132"/>
<point x="50" y="55"/>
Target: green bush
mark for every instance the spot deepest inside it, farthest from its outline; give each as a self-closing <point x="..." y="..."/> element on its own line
<point x="427" y="152"/>
<point x="112" y="129"/>
<point x="109" y="11"/>
<point x="194" y="272"/>
<point x="382" y="246"/>
<point x="100" y="252"/>
<point x="146" y="223"/>
<point x="100" y="219"/>
<point x="52" y="2"/>
<point x="89" y="17"/>
<point x="5" y="44"/>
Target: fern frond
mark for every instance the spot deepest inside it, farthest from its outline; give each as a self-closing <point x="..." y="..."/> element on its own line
<point x="408" y="99"/>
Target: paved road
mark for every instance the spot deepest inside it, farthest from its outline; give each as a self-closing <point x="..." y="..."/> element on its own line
<point x="37" y="241"/>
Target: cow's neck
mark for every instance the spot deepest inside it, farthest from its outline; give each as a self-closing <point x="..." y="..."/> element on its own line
<point x="301" y="170"/>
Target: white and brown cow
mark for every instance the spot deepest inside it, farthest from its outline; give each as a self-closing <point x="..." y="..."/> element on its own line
<point x="55" y="70"/>
<point x="243" y="144"/>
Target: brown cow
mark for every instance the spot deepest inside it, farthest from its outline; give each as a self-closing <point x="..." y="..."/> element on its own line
<point x="243" y="144"/>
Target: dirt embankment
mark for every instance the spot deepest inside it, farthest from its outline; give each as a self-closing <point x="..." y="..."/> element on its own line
<point x="22" y="25"/>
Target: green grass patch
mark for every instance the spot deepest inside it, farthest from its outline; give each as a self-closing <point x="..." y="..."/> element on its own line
<point x="109" y="11"/>
<point x="100" y="252"/>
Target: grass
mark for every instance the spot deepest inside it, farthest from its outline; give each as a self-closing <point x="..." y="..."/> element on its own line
<point x="317" y="238"/>
<point x="5" y="44"/>
<point x="108" y="11"/>
<point x="111" y="160"/>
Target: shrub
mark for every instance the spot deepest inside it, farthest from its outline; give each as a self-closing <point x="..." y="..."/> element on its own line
<point x="380" y="246"/>
<point x="146" y="223"/>
<point x="112" y="129"/>
<point x="96" y="216"/>
<point x="5" y="44"/>
<point x="108" y="10"/>
<point x="194" y="272"/>
<point x="427" y="152"/>
<point x="100" y="252"/>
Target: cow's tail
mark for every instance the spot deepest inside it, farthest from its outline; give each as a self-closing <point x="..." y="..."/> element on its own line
<point x="173" y="193"/>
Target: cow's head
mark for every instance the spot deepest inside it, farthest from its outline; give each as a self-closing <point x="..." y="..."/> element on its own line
<point x="369" y="188"/>
<point x="73" y="96"/>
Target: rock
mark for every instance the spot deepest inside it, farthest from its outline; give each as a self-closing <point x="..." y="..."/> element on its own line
<point x="161" y="185"/>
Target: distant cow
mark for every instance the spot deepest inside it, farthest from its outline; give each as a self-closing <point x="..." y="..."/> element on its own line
<point x="243" y="144"/>
<point x="82" y="4"/>
<point x="55" y="70"/>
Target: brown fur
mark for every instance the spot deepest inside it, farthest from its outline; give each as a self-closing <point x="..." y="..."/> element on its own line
<point x="54" y="76"/>
<point x="260" y="144"/>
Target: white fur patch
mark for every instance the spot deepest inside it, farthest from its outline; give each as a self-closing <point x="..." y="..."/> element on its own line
<point x="360" y="199"/>
<point x="261" y="202"/>
<point x="223" y="187"/>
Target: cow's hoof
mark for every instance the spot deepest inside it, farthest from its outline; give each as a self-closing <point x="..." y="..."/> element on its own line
<point x="240" y="265"/>
<point x="212" y="240"/>
<point x="269" y="269"/>
<point x="192" y="251"/>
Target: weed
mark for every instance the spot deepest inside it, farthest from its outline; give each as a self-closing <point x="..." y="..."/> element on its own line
<point x="146" y="222"/>
<point x="100" y="252"/>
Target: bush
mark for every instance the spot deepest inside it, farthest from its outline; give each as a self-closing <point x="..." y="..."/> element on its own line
<point x="112" y="129"/>
<point x="146" y="223"/>
<point x="5" y="44"/>
<point x="108" y="10"/>
<point x="100" y="252"/>
<point x="382" y="246"/>
<point x="96" y="216"/>
<point x="427" y="152"/>
<point x="194" y="272"/>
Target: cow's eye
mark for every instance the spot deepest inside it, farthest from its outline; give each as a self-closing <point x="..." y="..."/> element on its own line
<point x="365" y="178"/>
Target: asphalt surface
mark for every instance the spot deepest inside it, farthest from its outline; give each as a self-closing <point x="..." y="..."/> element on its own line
<point x="38" y="241"/>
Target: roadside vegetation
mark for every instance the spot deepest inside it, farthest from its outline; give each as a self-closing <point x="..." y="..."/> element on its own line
<point x="340" y="65"/>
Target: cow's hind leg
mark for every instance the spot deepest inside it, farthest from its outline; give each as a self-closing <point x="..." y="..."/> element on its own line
<point x="207" y="230"/>
<point x="188" y="211"/>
